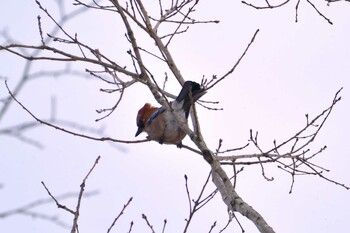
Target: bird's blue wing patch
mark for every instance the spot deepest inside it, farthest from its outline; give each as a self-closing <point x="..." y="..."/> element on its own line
<point x="155" y="114"/>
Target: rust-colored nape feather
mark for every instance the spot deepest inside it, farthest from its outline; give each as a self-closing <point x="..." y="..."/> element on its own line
<point x="143" y="115"/>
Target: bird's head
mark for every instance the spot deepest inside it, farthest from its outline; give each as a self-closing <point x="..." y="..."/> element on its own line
<point x="142" y="117"/>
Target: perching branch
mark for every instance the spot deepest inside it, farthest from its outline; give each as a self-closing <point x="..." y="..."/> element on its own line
<point x="66" y="130"/>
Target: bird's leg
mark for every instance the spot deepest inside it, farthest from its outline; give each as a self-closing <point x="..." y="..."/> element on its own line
<point x="179" y="145"/>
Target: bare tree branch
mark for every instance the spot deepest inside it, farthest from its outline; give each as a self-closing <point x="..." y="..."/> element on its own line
<point x="119" y="215"/>
<point x="269" y="6"/>
<point x="69" y="131"/>
<point x="148" y="223"/>
<point x="179" y="14"/>
<point x="75" y="212"/>
<point x="237" y="62"/>
<point x="27" y="209"/>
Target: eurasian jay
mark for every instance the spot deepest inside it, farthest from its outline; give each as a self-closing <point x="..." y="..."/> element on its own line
<point x="160" y="124"/>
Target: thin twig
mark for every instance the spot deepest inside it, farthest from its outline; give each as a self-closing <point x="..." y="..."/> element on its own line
<point x="82" y="188"/>
<point x="322" y="15"/>
<point x="148" y="223"/>
<point x="68" y="131"/>
<point x="120" y="214"/>
<point x="56" y="201"/>
<point x="237" y="62"/>
<point x="266" y="7"/>
<point x="164" y="225"/>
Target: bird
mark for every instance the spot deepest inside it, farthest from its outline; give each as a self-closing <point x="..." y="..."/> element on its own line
<point x="160" y="124"/>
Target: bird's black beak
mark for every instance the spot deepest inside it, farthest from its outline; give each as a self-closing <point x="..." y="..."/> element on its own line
<point x="139" y="130"/>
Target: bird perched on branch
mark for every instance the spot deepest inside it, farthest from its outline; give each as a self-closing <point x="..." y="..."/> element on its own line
<point x="160" y="124"/>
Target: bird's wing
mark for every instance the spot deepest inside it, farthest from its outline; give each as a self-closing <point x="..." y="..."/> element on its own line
<point x="155" y="114"/>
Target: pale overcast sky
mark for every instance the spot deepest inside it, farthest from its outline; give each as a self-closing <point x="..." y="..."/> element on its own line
<point x="290" y="70"/>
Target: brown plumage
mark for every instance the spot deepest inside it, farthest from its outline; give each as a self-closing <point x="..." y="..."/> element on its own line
<point x="162" y="129"/>
<point x="160" y="125"/>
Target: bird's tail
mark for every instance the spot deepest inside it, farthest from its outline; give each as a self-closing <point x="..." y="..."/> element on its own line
<point x="188" y="88"/>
